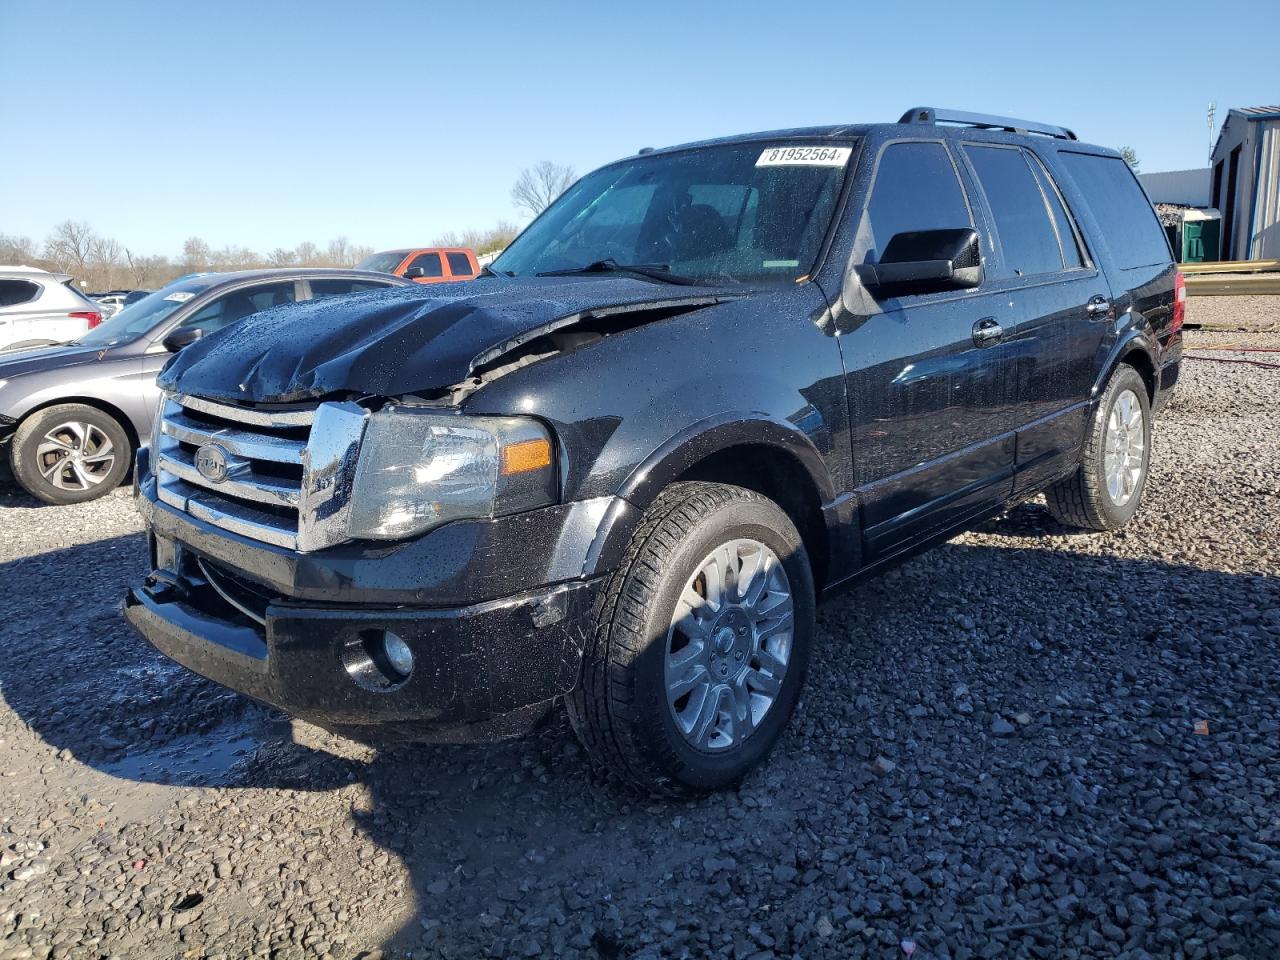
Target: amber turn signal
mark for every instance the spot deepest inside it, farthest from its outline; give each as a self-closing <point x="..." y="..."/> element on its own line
<point x="525" y="456"/>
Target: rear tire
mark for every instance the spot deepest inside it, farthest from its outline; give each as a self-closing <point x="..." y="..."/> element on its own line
<point x="693" y="668"/>
<point x="70" y="453"/>
<point x="1104" y="491"/>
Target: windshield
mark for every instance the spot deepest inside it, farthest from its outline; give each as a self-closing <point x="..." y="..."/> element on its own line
<point x="384" y="262"/>
<point x="138" y="318"/>
<point x="740" y="213"/>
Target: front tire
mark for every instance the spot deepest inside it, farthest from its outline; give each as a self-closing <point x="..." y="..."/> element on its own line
<point x="700" y="643"/>
<point x="70" y="453"/>
<point x="1104" y="491"/>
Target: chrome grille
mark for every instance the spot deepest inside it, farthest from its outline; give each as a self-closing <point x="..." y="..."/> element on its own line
<point x="284" y="473"/>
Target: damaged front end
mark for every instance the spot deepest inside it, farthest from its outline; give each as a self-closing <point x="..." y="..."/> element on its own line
<point x="336" y="536"/>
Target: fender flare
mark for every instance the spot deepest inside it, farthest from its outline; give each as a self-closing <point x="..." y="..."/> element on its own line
<point x="686" y="449"/>
<point x="1133" y="340"/>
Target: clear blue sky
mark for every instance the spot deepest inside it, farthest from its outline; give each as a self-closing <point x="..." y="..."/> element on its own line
<point x="268" y="123"/>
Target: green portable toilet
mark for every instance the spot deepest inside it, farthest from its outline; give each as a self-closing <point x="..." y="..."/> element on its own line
<point x="1201" y="236"/>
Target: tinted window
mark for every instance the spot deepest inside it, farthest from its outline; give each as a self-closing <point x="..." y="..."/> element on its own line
<point x="459" y="264"/>
<point x="1129" y="225"/>
<point x="1071" y="253"/>
<point x="916" y="189"/>
<point x="727" y="213"/>
<point x="384" y="262"/>
<point x="238" y="304"/>
<point x="14" y="292"/>
<point x="429" y="262"/>
<point x="1027" y="237"/>
<point x="342" y="288"/>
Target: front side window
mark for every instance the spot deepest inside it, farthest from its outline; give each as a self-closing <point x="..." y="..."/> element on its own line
<point x="1129" y="225"/>
<point x="385" y="262"/>
<point x="1027" y="236"/>
<point x="726" y="214"/>
<point x="916" y="188"/>
<point x="430" y="264"/>
<point x="238" y="304"/>
<point x="15" y="292"/>
<point x="460" y="265"/>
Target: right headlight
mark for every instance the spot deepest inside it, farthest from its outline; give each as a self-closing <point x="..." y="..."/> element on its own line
<point x="418" y="470"/>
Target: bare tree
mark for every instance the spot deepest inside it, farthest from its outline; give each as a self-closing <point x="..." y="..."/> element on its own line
<point x="339" y="253"/>
<point x="195" y="255"/>
<point x="18" y="251"/>
<point x="148" y="272"/>
<point x="280" y="257"/>
<point x="308" y="255"/>
<point x="105" y="262"/>
<point x="71" y="245"/>
<point x="539" y="186"/>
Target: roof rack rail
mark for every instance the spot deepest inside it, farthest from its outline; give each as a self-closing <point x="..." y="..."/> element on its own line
<point x="984" y="121"/>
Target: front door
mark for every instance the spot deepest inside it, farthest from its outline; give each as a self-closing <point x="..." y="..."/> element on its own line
<point x="931" y="441"/>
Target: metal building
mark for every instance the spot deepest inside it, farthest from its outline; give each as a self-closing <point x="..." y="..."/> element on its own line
<point x="1246" y="183"/>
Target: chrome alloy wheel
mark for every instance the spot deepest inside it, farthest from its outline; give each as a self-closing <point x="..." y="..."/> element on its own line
<point x="75" y="456"/>
<point x="1123" y="448"/>
<point x="729" y="644"/>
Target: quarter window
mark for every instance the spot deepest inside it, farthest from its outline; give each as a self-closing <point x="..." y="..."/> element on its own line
<point x="916" y="188"/>
<point x="1027" y="236"/>
<point x="459" y="264"/>
<point x="14" y="292"/>
<point x="341" y="288"/>
<point x="430" y="264"/>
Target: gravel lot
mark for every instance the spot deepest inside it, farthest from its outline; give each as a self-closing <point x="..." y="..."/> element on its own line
<point x="1026" y="743"/>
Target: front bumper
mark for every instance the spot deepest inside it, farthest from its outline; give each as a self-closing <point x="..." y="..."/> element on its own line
<point x="289" y="629"/>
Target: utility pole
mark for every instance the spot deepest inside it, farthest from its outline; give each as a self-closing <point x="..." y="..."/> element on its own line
<point x="1213" y="109"/>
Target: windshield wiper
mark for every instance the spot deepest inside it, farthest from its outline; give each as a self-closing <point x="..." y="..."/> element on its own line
<point x="488" y="271"/>
<point x="652" y="271"/>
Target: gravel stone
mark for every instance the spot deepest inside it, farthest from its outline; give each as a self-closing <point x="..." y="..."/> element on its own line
<point x="888" y="821"/>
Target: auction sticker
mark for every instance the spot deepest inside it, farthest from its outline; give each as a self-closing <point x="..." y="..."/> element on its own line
<point x="181" y="296"/>
<point x="804" y="157"/>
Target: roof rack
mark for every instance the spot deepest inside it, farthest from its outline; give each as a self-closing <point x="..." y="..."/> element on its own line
<point x="984" y="121"/>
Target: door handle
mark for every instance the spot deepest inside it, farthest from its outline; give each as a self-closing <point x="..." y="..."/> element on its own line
<point x="1098" y="307"/>
<point x="987" y="331"/>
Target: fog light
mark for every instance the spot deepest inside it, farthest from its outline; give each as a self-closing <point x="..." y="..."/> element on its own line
<point x="399" y="656"/>
<point x="378" y="660"/>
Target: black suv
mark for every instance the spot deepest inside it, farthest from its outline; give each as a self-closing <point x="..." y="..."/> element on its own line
<point x="709" y="386"/>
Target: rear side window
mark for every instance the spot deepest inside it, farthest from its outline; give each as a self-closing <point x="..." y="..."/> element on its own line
<point x="1071" y="253"/>
<point x="429" y="262"/>
<point x="1026" y="233"/>
<point x="341" y="288"/>
<point x="459" y="264"/>
<point x="1129" y="225"/>
<point x="916" y="188"/>
<point x="15" y="292"/>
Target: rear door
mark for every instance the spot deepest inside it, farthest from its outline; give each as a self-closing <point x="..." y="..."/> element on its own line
<point x="461" y="266"/>
<point x="1052" y="302"/>
<point x="17" y="307"/>
<point x="930" y="445"/>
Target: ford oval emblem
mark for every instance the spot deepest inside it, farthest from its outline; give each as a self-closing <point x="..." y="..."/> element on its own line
<point x="211" y="461"/>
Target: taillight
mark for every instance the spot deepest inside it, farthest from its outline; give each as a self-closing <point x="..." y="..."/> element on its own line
<point x="1179" y="302"/>
<point x="92" y="316"/>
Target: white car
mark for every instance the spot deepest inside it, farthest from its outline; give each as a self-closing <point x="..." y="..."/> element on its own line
<point x="38" y="308"/>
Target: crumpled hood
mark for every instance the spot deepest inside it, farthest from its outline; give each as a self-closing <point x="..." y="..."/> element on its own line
<point x="400" y="340"/>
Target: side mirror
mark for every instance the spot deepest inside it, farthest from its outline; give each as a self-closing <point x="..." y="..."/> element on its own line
<point x="414" y="273"/>
<point x="925" y="261"/>
<point x="182" y="337"/>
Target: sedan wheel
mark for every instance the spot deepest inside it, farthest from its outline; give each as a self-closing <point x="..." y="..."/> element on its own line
<point x="70" y="453"/>
<point x="76" y="456"/>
